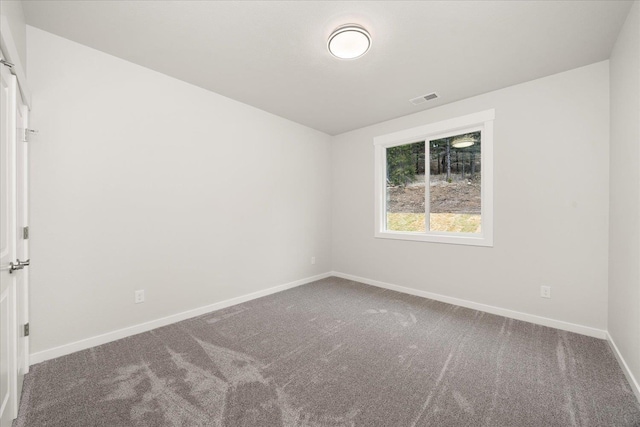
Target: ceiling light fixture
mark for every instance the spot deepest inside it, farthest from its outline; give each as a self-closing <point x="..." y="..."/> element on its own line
<point x="349" y="42"/>
<point x="463" y="142"/>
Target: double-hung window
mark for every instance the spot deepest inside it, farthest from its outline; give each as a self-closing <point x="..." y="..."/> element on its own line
<point x="434" y="183"/>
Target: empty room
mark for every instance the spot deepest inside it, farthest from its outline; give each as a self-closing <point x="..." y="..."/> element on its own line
<point x="319" y="213"/>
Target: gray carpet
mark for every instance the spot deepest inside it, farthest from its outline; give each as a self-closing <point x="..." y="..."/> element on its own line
<point x="336" y="353"/>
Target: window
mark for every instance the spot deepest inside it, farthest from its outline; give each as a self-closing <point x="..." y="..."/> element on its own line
<point x="435" y="182"/>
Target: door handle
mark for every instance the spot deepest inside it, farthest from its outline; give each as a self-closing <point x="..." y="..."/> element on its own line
<point x="18" y="265"/>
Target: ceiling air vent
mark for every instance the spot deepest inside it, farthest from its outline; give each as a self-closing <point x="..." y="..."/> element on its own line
<point x="424" y="98"/>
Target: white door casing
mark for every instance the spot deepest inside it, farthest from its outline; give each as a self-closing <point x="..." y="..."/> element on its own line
<point x="22" y="244"/>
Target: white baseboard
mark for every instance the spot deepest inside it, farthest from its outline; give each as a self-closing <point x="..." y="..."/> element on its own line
<point x="65" y="349"/>
<point x="625" y="368"/>
<point x="539" y="320"/>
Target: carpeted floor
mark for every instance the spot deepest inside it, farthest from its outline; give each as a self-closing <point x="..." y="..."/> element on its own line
<point x="336" y="353"/>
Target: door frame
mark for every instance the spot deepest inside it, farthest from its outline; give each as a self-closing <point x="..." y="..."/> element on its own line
<point x="22" y="243"/>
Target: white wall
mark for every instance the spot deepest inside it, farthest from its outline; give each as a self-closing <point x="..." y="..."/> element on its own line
<point x="551" y="204"/>
<point x="624" y="245"/>
<point x="141" y="181"/>
<point x="243" y="198"/>
<point x="12" y="11"/>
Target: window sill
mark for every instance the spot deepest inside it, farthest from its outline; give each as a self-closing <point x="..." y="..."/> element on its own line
<point x="434" y="237"/>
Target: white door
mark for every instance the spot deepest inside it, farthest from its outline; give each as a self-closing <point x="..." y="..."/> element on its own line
<point x="8" y="367"/>
<point x="8" y="249"/>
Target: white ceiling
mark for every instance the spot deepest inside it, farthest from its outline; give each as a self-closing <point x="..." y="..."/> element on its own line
<point x="272" y="54"/>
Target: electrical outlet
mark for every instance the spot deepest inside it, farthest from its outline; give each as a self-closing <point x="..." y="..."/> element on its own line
<point x="313" y="260"/>
<point x="545" y="291"/>
<point x="138" y="296"/>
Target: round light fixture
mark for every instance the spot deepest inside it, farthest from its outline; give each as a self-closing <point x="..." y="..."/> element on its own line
<point x="349" y="42"/>
<point x="463" y="142"/>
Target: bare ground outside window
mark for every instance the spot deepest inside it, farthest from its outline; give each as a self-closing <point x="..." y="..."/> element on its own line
<point x="455" y="206"/>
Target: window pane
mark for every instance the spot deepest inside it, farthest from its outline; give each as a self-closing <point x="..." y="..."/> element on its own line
<point x="454" y="184"/>
<point x="406" y="187"/>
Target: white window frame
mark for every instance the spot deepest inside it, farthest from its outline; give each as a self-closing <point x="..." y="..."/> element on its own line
<point x="482" y="121"/>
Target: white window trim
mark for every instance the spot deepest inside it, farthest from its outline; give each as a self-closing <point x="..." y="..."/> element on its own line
<point x="482" y="121"/>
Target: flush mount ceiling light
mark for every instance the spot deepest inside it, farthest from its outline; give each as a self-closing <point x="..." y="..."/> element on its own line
<point x="349" y="42"/>
<point x="463" y="142"/>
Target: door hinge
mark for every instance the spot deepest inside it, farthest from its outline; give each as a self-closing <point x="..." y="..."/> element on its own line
<point x="25" y="233"/>
<point x="28" y="134"/>
<point x="26" y="330"/>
